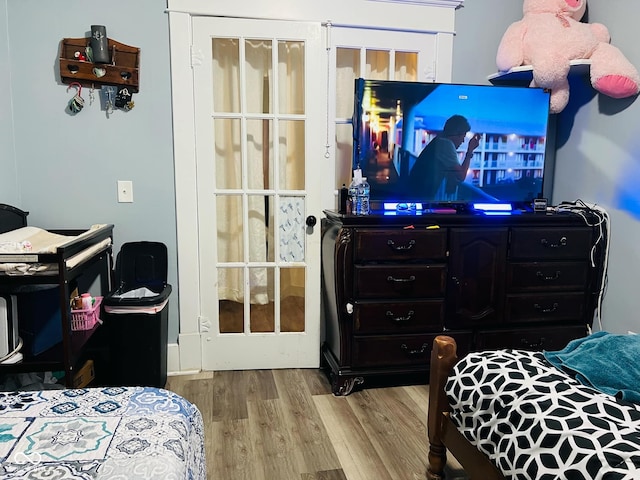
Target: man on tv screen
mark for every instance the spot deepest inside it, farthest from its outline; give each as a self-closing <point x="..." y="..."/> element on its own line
<point x="437" y="171"/>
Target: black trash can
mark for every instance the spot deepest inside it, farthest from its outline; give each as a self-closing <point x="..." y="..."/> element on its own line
<point x="137" y="315"/>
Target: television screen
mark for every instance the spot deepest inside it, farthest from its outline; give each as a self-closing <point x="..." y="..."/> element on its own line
<point x="436" y="143"/>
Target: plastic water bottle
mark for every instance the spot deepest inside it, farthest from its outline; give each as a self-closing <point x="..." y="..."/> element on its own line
<point x="358" y="206"/>
<point x="364" y="191"/>
<point x="353" y="196"/>
<point x="361" y="204"/>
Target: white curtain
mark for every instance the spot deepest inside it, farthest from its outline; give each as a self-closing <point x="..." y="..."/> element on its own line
<point x="260" y="162"/>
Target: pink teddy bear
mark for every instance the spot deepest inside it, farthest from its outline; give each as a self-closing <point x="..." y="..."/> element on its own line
<point x="550" y="35"/>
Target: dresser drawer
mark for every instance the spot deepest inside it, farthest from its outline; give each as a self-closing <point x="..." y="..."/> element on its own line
<point x="560" y="243"/>
<point x="545" y="307"/>
<point x="400" y="350"/>
<point x="534" y="339"/>
<point x="523" y="276"/>
<point x="398" y="317"/>
<point x="399" y="281"/>
<point x="400" y="245"/>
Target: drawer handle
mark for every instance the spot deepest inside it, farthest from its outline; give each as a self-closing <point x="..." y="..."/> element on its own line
<point x="548" y="278"/>
<point x="561" y="243"/>
<point x="399" y="248"/>
<point x="406" y="349"/>
<point x="400" y="319"/>
<point x="526" y="343"/>
<point x="551" y="309"/>
<point x="390" y="278"/>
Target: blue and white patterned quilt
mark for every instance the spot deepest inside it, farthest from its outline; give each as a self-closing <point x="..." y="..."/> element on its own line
<point x="99" y="433"/>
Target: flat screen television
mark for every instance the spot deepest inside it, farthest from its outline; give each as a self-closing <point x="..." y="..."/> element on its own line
<point x="404" y="142"/>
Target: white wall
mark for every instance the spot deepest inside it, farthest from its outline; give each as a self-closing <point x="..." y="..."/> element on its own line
<point x="479" y="28"/>
<point x="600" y="163"/>
<point x="598" y="157"/>
<point x="9" y="193"/>
<point x="67" y="166"/>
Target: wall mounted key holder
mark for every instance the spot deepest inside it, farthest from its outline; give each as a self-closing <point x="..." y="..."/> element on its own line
<point x="77" y="64"/>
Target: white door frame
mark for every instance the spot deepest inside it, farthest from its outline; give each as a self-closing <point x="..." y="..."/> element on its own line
<point x="427" y="16"/>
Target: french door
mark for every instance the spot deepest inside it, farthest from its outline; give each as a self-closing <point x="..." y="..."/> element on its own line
<point x="260" y="128"/>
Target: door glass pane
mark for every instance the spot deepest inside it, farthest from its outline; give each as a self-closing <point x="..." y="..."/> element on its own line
<point x="258" y="73"/>
<point x="262" y="309"/>
<point x="229" y="227"/>
<point x="292" y="154"/>
<point x="226" y="72"/>
<point x="228" y="163"/>
<point x="260" y="154"/>
<point x="378" y="62"/>
<point x="231" y="300"/>
<point x="292" y="281"/>
<point x="291" y="77"/>
<point x="292" y="229"/>
<point x="347" y="70"/>
<point x="261" y="223"/>
<point x="344" y="156"/>
<point x="406" y="66"/>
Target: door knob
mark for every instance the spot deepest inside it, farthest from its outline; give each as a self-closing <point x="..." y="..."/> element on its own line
<point x="311" y="221"/>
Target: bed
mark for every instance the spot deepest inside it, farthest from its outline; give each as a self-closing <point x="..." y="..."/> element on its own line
<point x="100" y="433"/>
<point x="513" y="414"/>
<point x="84" y="433"/>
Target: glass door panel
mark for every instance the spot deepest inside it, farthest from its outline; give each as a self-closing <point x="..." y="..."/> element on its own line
<point x="292" y="294"/>
<point x="230" y="229"/>
<point x="226" y="68"/>
<point x="258" y="73"/>
<point x="260" y="231"/>
<point x="228" y="167"/>
<point x="344" y="154"/>
<point x="259" y="144"/>
<point x="231" y="292"/>
<point x="262" y="309"/>
<point x="291" y="59"/>
<point x="406" y="66"/>
<point x="347" y="69"/>
<point x="377" y="66"/>
<point x="292" y="148"/>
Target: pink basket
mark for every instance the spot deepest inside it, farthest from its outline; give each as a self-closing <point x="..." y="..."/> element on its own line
<point x="86" y="319"/>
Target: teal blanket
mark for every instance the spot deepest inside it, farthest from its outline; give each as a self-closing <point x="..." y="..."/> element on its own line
<point x="607" y="362"/>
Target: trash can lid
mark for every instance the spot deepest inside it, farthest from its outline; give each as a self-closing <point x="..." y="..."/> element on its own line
<point x="133" y="299"/>
<point x="142" y="264"/>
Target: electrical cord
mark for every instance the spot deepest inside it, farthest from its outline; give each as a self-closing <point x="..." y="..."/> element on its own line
<point x="7" y="358"/>
<point x="600" y="245"/>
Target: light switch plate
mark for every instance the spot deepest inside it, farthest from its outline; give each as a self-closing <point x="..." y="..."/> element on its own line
<point x="125" y="191"/>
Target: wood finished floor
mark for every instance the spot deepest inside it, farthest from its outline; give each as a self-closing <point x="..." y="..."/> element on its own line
<point x="286" y="425"/>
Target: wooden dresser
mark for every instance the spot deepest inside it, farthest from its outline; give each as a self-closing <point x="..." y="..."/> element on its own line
<point x="391" y="284"/>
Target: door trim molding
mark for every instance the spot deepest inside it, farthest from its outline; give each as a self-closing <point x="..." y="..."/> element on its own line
<point x="404" y="15"/>
<point x="186" y="193"/>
